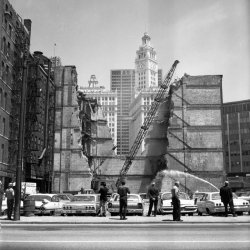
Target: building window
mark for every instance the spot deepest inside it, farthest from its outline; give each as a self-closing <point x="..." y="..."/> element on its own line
<point x="3" y="126"/>
<point x="2" y="153"/>
<point x="5" y="100"/>
<point x="1" y="97"/>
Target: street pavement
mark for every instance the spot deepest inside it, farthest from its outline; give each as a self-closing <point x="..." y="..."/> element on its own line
<point x="58" y="219"/>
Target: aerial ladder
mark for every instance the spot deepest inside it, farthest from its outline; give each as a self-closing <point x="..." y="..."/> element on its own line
<point x="165" y="87"/>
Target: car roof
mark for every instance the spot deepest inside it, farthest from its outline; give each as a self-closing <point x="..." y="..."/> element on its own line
<point x="86" y="194"/>
<point x="40" y="194"/>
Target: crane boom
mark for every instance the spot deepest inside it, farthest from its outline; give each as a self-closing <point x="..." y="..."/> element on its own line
<point x="165" y="86"/>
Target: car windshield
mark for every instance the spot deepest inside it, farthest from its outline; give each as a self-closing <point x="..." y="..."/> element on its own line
<point x="243" y="194"/>
<point x="85" y="198"/>
<point x="216" y="196"/>
<point x="168" y="196"/>
<point x="66" y="197"/>
<point x="144" y="196"/>
<point x="40" y="197"/>
<point x="133" y="198"/>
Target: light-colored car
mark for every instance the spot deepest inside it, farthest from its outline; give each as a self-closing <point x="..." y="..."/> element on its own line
<point x="245" y="195"/>
<point x="165" y="204"/>
<point x="197" y="196"/>
<point x="135" y="205"/>
<point x="66" y="197"/>
<point x="46" y="203"/>
<point x="83" y="204"/>
<point x="211" y="203"/>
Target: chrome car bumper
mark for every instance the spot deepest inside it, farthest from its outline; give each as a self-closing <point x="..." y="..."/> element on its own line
<point x="129" y="210"/>
<point x="184" y="210"/>
<point x="78" y="211"/>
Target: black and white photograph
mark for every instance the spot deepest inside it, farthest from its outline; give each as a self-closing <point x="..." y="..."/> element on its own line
<point x="124" y="124"/>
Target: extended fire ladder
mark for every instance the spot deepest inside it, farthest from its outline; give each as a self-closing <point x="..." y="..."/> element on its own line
<point x="165" y="86"/>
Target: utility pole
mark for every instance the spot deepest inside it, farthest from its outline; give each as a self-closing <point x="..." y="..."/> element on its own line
<point x="19" y="167"/>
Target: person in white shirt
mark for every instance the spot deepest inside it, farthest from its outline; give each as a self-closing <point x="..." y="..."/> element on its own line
<point x="10" y="195"/>
<point x="176" y="202"/>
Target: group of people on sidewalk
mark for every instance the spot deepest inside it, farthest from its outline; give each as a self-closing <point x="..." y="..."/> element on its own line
<point x="153" y="194"/>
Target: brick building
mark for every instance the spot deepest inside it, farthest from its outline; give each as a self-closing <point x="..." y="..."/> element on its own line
<point x="39" y="124"/>
<point x="192" y="143"/>
<point x="71" y="170"/>
<point x="15" y="39"/>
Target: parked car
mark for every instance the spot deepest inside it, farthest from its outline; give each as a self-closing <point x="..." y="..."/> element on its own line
<point x="145" y="197"/>
<point x="165" y="204"/>
<point x="113" y="195"/>
<point x="83" y="204"/>
<point x="66" y="197"/>
<point x="245" y="195"/>
<point x="46" y="203"/>
<point x="135" y="205"/>
<point x="211" y="203"/>
<point x="197" y="196"/>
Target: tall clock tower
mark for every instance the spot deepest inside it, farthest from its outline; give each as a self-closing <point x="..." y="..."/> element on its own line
<point x="146" y="67"/>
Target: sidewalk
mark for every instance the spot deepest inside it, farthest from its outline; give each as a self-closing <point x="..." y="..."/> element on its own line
<point x="130" y="219"/>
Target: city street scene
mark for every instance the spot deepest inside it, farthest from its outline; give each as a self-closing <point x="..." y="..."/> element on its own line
<point x="124" y="124"/>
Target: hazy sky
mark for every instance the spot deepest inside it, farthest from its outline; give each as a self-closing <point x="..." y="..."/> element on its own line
<point x="207" y="37"/>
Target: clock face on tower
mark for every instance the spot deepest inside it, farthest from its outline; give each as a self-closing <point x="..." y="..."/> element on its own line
<point x="152" y="66"/>
<point x="140" y="65"/>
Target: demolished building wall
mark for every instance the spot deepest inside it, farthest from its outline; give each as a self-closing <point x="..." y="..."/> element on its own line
<point x="71" y="170"/>
<point x="192" y="144"/>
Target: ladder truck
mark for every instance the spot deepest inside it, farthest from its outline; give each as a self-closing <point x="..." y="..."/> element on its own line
<point x="165" y="87"/>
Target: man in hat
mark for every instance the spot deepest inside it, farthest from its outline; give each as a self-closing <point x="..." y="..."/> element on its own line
<point x="153" y="194"/>
<point x="10" y="195"/>
<point x="103" y="198"/>
<point x="227" y="198"/>
<point x="176" y="202"/>
<point x="123" y="191"/>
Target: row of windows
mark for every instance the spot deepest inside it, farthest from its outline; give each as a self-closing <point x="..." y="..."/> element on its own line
<point x="236" y="108"/>
<point x="237" y="153"/>
<point x="237" y="164"/>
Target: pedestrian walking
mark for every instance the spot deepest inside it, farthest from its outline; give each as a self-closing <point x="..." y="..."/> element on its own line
<point x="1" y="196"/>
<point x="227" y="198"/>
<point x="153" y="193"/>
<point x="103" y="199"/>
<point x="123" y="191"/>
<point x="9" y="193"/>
<point x="176" y="202"/>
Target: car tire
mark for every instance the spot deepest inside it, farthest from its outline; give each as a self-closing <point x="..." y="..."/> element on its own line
<point x="200" y="213"/>
<point x="208" y="211"/>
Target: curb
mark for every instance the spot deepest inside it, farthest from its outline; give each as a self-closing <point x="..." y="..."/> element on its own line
<point x="120" y="223"/>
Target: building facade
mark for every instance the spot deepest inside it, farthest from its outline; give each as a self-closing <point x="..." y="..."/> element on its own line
<point x="107" y="100"/>
<point x="39" y="124"/>
<point x="236" y="122"/>
<point x="123" y="82"/>
<point x="15" y="40"/>
<point x="71" y="170"/>
<point x="146" y="66"/>
<point x="128" y="83"/>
